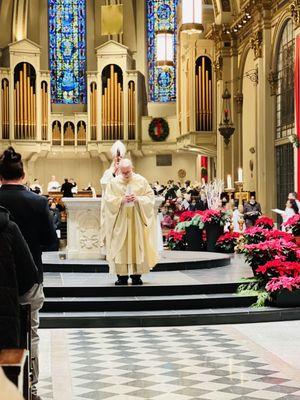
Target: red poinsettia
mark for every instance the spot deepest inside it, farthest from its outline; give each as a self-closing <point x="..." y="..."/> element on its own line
<point x="292" y="225"/>
<point x="283" y="282"/>
<point x="279" y="267"/>
<point x="265" y="222"/>
<point x="227" y="242"/>
<point x="277" y="234"/>
<point x="255" y="234"/>
<point x="175" y="240"/>
<point x="188" y="215"/>
<point x="211" y="216"/>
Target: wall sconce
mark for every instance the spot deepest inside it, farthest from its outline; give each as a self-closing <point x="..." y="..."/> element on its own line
<point x="165" y="49"/>
<point x="226" y="127"/>
<point x="192" y="16"/>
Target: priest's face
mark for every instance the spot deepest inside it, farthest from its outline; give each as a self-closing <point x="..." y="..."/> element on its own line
<point x="126" y="172"/>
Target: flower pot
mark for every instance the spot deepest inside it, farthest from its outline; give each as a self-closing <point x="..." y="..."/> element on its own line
<point x="194" y="239"/>
<point x="213" y="232"/>
<point x="286" y="298"/>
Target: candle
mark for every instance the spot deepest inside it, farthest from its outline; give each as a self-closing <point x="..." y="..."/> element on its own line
<point x="240" y="175"/>
<point x="203" y="181"/>
<point x="229" y="182"/>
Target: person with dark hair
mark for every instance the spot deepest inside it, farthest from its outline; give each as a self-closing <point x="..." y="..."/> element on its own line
<point x="66" y="188"/>
<point x="18" y="274"/>
<point x="252" y="210"/>
<point x="31" y="213"/>
<point x="294" y="196"/>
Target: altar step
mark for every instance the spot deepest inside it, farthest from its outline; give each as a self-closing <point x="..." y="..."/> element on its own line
<point x="115" y="319"/>
<point x="144" y="303"/>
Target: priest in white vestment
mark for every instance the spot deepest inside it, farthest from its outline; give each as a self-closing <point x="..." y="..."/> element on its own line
<point x="130" y="225"/>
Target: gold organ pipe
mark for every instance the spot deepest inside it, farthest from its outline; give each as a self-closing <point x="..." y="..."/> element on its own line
<point x="111" y="101"/>
<point x="210" y="103"/>
<point x="29" y="108"/>
<point x="115" y="105"/>
<point x="203" y="91"/>
<point x="108" y="109"/>
<point x="122" y="113"/>
<point x="129" y="110"/>
<point x="200" y="99"/>
<point x="25" y="98"/>
<point x="118" y="110"/>
<point x="197" y="103"/>
<point x="95" y="111"/>
<point x="206" y="98"/>
<point x="21" y="105"/>
<point x="17" y="95"/>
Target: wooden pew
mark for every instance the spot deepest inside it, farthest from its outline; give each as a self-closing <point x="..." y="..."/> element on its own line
<point x="16" y="364"/>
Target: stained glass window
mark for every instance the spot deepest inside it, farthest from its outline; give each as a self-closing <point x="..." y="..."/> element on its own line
<point x="161" y="16"/>
<point x="67" y="51"/>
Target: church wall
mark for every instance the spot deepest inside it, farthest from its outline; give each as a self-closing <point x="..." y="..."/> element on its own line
<point x="81" y="169"/>
<point x="146" y="166"/>
<point x="6" y="13"/>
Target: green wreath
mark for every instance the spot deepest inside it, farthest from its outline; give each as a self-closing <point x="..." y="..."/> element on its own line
<point x="158" y="129"/>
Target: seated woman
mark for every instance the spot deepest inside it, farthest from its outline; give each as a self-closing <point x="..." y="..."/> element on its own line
<point x="18" y="274"/>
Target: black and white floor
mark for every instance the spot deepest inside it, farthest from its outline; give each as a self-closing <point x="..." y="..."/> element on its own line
<point x="257" y="361"/>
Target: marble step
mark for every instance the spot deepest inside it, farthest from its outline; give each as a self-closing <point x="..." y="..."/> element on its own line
<point x="146" y="303"/>
<point x="145" y="290"/>
<point x="185" y="317"/>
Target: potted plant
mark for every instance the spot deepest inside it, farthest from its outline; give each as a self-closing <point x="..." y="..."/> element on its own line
<point x="265" y="223"/>
<point x="227" y="242"/>
<point x="214" y="222"/>
<point x="292" y="225"/>
<point x="176" y="240"/>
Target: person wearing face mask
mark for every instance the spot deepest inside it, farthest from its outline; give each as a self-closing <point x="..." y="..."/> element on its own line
<point x="131" y="231"/>
<point x="252" y="211"/>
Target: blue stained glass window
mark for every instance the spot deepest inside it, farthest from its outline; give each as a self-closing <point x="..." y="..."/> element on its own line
<point x="161" y="15"/>
<point x="67" y="51"/>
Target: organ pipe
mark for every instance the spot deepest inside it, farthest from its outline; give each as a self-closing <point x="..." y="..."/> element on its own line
<point x="44" y="110"/>
<point x="131" y="111"/>
<point x="93" y="103"/>
<point x="203" y="87"/>
<point x="5" y="109"/>
<point x="112" y="107"/>
<point x="24" y="104"/>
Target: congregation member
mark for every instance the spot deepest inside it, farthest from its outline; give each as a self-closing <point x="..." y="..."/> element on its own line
<point x="31" y="213"/>
<point x="130" y="225"/>
<point x="53" y="185"/>
<point x="252" y="211"/>
<point x="35" y="187"/>
<point x="66" y="188"/>
<point x="18" y="275"/>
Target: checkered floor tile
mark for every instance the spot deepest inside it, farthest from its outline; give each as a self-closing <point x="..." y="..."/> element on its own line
<point x="172" y="363"/>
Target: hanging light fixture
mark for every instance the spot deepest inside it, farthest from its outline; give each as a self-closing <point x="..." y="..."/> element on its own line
<point x="192" y="16"/>
<point x="165" y="49"/>
<point x="226" y="127"/>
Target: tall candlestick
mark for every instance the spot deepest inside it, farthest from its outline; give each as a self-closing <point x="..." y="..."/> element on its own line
<point x="240" y="175"/>
<point x="229" y="182"/>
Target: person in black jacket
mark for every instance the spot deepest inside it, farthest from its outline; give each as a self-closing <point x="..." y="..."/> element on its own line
<point x="18" y="274"/>
<point x="66" y="188"/>
<point x="31" y="213"/>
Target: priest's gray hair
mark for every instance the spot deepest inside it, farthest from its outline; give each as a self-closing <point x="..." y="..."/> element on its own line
<point x="125" y="163"/>
<point x="118" y="148"/>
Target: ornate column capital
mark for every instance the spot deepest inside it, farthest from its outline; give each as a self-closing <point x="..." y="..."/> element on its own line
<point x="256" y="41"/>
<point x="218" y="67"/>
<point x="295" y="12"/>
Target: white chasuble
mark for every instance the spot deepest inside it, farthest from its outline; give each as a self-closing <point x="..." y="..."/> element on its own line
<point x="130" y="229"/>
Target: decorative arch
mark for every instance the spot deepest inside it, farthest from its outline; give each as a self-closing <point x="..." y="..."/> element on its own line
<point x="69" y="134"/>
<point x="283" y="74"/>
<point x="81" y="133"/>
<point x="112" y="103"/>
<point x="56" y="133"/>
<point x="25" y="101"/>
<point x="5" y="108"/>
